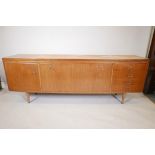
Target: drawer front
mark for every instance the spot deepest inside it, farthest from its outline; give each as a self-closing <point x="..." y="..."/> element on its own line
<point x="76" y="77"/>
<point x="128" y="77"/>
<point x="136" y="77"/>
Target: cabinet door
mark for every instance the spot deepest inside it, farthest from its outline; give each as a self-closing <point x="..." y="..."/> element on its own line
<point x="76" y="77"/>
<point x="128" y="77"/>
<point x="22" y="76"/>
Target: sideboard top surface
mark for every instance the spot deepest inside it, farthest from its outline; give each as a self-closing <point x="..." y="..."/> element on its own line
<point x="73" y="57"/>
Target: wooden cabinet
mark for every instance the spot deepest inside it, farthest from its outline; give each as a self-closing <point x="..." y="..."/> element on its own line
<point x="75" y="74"/>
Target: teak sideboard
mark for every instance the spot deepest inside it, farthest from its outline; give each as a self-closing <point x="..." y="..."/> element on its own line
<point x="85" y="74"/>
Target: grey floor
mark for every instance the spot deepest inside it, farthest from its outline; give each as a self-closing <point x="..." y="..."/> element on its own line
<point x="75" y="111"/>
<point x="151" y="97"/>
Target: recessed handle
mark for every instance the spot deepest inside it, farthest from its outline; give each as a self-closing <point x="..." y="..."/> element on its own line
<point x="50" y="66"/>
<point x="100" y="67"/>
<point x="34" y="72"/>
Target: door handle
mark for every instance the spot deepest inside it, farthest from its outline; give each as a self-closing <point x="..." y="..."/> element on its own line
<point x="34" y="73"/>
<point x="50" y="67"/>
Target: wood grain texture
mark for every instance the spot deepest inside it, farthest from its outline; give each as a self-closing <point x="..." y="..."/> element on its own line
<point x="75" y="74"/>
<point x="23" y="76"/>
<point x="49" y="57"/>
<point x="128" y="77"/>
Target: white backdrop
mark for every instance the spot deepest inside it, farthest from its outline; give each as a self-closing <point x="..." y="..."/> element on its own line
<point x="74" y="40"/>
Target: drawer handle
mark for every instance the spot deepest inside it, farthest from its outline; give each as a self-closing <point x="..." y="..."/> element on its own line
<point x="100" y="67"/>
<point x="130" y="76"/>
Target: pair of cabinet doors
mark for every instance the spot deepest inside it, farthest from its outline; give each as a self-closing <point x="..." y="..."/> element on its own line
<point x="76" y="76"/>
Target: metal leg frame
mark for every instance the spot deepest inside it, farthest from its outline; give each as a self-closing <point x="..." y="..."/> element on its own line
<point x="28" y="95"/>
<point x="122" y="97"/>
